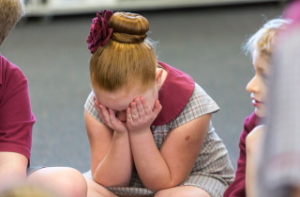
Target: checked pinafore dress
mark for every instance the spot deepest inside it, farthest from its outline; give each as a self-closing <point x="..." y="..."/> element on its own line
<point x="182" y="101"/>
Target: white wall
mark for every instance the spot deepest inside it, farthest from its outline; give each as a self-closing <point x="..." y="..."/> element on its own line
<point x="54" y="7"/>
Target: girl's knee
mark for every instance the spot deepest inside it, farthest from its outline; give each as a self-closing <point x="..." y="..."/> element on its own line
<point x="64" y="181"/>
<point x="161" y="193"/>
<point x="95" y="189"/>
<point x="73" y="182"/>
<point x="186" y="191"/>
<point x="167" y="193"/>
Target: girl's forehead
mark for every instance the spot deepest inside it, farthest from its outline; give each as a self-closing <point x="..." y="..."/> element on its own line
<point x="116" y="95"/>
<point x="118" y="100"/>
<point x="261" y="61"/>
<point x="113" y="101"/>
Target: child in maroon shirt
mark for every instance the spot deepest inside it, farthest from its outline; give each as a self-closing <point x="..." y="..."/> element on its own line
<point x="16" y="118"/>
<point x="16" y="121"/>
<point x="260" y="46"/>
<point x="279" y="166"/>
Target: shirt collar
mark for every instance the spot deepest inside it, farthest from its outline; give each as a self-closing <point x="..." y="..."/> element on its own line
<point x="174" y="94"/>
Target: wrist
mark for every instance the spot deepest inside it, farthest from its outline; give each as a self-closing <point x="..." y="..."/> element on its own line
<point x="138" y="132"/>
<point x="121" y="130"/>
<point x="119" y="134"/>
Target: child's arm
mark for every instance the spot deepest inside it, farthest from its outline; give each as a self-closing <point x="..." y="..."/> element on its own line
<point x="253" y="146"/>
<point x="111" y="157"/>
<point x="171" y="165"/>
<point x="12" y="169"/>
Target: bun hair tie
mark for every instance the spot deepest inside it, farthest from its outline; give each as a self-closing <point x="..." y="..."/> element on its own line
<point x="100" y="32"/>
<point x="127" y="38"/>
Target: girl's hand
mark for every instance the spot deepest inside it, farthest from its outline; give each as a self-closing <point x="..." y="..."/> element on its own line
<point x="109" y="118"/>
<point x="140" y="116"/>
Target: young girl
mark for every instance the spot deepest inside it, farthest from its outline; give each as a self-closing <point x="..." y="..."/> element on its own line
<point x="148" y="123"/>
<point x="261" y="46"/>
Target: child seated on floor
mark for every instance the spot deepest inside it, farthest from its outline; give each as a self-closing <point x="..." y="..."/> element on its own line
<point x="16" y="122"/>
<point x="149" y="124"/>
<point x="260" y="46"/>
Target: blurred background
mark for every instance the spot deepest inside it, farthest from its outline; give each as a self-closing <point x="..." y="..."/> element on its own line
<point x="200" y="37"/>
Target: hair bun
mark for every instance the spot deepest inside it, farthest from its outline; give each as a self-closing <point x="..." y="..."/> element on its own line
<point x="128" y="27"/>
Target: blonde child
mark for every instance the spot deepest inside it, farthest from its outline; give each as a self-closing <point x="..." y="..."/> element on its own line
<point x="278" y="173"/>
<point x="260" y="46"/>
<point x="148" y="123"/>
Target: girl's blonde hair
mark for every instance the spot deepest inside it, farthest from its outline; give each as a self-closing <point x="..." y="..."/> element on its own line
<point x="128" y="60"/>
<point x="10" y="13"/>
<point x="264" y="39"/>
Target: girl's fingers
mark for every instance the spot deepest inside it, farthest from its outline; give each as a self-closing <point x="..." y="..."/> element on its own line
<point x="157" y="108"/>
<point x="112" y="116"/>
<point x="96" y="103"/>
<point x="98" y="109"/>
<point x="140" y="107"/>
<point x="134" y="111"/>
<point x="128" y="115"/>
<point x="105" y="114"/>
<point x="100" y="113"/>
<point x="103" y="110"/>
<point x="146" y="107"/>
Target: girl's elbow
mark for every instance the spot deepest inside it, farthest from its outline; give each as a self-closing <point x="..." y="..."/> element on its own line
<point x="157" y="185"/>
<point x="108" y="182"/>
<point x="157" y="188"/>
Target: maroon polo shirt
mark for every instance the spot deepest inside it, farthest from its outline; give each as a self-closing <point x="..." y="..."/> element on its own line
<point x="16" y="118"/>
<point x="237" y="187"/>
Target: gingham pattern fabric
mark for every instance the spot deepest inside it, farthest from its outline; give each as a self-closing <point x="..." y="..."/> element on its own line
<point x="280" y="159"/>
<point x="212" y="171"/>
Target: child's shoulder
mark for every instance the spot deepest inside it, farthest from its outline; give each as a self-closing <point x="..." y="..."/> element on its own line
<point x="199" y="103"/>
<point x="11" y="76"/>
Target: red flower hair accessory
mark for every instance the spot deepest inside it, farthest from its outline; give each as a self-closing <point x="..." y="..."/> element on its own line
<point x="99" y="32"/>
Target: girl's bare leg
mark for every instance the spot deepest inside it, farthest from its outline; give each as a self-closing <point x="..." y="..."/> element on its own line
<point x="63" y="181"/>
<point x="186" y="191"/>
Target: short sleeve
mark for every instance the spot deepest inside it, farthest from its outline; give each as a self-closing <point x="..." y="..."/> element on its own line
<point x="16" y="117"/>
<point x="89" y="106"/>
<point x="200" y="103"/>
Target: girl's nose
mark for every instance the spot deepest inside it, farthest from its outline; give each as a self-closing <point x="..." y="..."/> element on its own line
<point x="252" y="85"/>
<point x="122" y="115"/>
